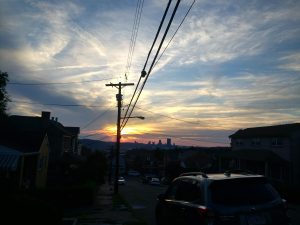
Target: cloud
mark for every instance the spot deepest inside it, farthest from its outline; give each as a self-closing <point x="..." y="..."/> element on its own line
<point x="291" y="62"/>
<point x="230" y="66"/>
<point x="221" y="33"/>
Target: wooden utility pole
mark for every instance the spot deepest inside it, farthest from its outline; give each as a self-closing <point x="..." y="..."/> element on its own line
<point x="117" y="155"/>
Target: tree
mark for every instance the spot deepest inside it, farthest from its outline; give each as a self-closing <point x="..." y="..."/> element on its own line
<point x="3" y="94"/>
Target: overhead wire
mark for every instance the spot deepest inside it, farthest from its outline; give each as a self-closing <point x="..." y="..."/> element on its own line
<point x="152" y="64"/>
<point x="135" y="29"/>
<point x="95" y="119"/>
<point x="58" y="83"/>
<point x="170" y="117"/>
<point x="188" y="11"/>
<point x="151" y="48"/>
<point x="95" y="106"/>
<point x="56" y="104"/>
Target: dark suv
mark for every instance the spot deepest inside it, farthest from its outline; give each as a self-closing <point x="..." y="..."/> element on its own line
<point x="228" y="199"/>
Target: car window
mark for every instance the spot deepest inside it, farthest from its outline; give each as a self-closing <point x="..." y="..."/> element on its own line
<point x="171" y="192"/>
<point x="189" y="190"/>
<point x="242" y="192"/>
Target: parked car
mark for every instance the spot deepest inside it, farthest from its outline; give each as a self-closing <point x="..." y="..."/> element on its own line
<point x="165" y="180"/>
<point x="154" y="181"/>
<point x="121" y="181"/>
<point x="221" y="199"/>
<point x="147" y="178"/>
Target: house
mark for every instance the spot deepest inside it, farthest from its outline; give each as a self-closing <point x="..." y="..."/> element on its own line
<point x="273" y="151"/>
<point x="61" y="140"/>
<point x="23" y="157"/>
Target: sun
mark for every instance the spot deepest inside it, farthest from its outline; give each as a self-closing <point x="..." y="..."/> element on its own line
<point x="129" y="130"/>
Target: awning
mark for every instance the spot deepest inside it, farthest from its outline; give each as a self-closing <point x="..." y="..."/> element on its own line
<point x="9" y="158"/>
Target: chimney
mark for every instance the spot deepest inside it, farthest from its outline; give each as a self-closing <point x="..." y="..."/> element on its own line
<point x="46" y="115"/>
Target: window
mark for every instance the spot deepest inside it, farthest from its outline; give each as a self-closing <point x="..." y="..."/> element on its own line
<point x="277" y="142"/>
<point x="190" y="191"/>
<point x="185" y="190"/>
<point x="239" y="142"/>
<point x="255" y="142"/>
<point x="171" y="192"/>
<point x="238" y="192"/>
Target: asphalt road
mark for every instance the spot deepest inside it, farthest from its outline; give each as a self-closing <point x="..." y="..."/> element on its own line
<point x="142" y="198"/>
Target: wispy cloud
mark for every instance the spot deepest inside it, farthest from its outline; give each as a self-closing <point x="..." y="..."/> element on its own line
<point x="291" y="62"/>
<point x="230" y="66"/>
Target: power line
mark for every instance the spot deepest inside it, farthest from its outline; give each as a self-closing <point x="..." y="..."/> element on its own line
<point x="95" y="119"/>
<point x="90" y="135"/>
<point x="153" y="61"/>
<point x="58" y="83"/>
<point x="173" y="118"/>
<point x="191" y="6"/>
<point x="151" y="48"/>
<point x="56" y="104"/>
<point x="135" y="29"/>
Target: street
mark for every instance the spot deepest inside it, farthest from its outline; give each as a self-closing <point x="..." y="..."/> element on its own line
<point x="142" y="198"/>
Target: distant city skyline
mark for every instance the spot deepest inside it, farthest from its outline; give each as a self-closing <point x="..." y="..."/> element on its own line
<point x="231" y="65"/>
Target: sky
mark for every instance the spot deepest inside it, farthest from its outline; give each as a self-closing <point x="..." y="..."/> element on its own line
<point x="231" y="65"/>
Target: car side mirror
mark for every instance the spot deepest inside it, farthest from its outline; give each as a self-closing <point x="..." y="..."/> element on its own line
<point x="161" y="197"/>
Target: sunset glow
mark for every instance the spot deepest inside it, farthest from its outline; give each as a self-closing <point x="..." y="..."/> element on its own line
<point x="230" y="66"/>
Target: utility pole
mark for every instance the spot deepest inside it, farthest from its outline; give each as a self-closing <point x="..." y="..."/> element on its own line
<point x="117" y="155"/>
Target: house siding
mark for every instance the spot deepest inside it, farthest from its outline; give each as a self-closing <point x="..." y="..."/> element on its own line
<point x="282" y="150"/>
<point x="42" y="164"/>
<point x="295" y="155"/>
<point x="283" y="140"/>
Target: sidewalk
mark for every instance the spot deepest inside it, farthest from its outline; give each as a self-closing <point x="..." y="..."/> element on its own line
<point x="104" y="211"/>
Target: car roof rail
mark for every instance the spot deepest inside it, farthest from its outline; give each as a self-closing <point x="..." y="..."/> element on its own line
<point x="228" y="173"/>
<point x="194" y="174"/>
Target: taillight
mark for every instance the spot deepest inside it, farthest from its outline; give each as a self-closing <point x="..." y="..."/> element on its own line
<point x="206" y="214"/>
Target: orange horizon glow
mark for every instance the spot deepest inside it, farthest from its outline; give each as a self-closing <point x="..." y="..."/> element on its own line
<point x="129" y="130"/>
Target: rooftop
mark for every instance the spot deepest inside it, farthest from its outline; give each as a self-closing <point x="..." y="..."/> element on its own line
<point x="269" y="131"/>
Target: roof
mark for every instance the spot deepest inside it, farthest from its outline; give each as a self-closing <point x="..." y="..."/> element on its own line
<point x="254" y="155"/>
<point x="284" y="130"/>
<point x="22" y="135"/>
<point x="222" y="176"/>
<point x="9" y="158"/>
<point x="39" y="124"/>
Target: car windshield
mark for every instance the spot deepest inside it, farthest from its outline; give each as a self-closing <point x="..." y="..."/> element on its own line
<point x="245" y="191"/>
